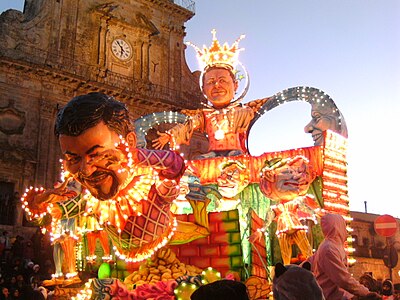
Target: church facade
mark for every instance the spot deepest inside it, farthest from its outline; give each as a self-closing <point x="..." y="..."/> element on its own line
<point x="55" y="50"/>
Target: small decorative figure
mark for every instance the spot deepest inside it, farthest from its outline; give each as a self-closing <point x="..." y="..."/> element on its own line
<point x="286" y="181"/>
<point x="63" y="230"/>
<point x="96" y="232"/>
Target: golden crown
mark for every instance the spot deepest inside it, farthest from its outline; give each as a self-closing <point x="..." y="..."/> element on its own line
<point x="225" y="56"/>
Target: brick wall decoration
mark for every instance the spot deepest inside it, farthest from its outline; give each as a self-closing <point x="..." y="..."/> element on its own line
<point x="222" y="249"/>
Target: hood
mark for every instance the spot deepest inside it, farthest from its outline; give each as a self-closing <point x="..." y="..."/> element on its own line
<point x="334" y="227"/>
<point x="387" y="287"/>
<point x="294" y="282"/>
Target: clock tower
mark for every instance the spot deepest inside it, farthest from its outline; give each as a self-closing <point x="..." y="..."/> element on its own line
<point x="121" y="49"/>
<point x="55" y="50"/>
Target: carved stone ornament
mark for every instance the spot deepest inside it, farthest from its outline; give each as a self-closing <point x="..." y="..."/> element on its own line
<point x="12" y="121"/>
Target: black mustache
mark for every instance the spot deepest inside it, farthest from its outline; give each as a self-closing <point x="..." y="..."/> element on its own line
<point x="94" y="181"/>
<point x="95" y="176"/>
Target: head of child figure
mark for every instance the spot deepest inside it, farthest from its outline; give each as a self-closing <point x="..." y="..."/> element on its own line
<point x="233" y="178"/>
<point x="219" y="85"/>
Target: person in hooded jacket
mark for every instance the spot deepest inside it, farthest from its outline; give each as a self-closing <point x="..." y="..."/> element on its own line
<point x="329" y="263"/>
<point x="387" y="290"/>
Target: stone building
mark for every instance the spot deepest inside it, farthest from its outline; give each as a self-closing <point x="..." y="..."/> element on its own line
<point x="370" y="248"/>
<point x="55" y="50"/>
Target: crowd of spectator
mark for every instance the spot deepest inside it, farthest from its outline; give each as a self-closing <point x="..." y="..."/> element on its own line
<point x="385" y="288"/>
<point x="25" y="263"/>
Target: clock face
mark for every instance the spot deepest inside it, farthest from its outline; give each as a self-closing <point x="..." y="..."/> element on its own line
<point x="121" y="49"/>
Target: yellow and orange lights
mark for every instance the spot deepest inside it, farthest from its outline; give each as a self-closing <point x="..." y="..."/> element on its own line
<point x="151" y="249"/>
<point x="217" y="55"/>
<point x="85" y="293"/>
<point x="27" y="198"/>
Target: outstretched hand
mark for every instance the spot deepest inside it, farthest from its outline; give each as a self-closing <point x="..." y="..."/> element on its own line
<point x="57" y="194"/>
<point x="256" y="236"/>
<point x="62" y="191"/>
<point x="161" y="141"/>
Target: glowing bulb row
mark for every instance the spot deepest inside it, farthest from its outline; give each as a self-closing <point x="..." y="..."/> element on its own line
<point x="335" y="176"/>
<point x="25" y="203"/>
<point x="336" y="206"/>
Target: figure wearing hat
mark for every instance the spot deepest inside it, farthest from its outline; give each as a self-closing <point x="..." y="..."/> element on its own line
<point x="226" y="121"/>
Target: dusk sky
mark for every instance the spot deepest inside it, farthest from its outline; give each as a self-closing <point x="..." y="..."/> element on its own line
<point x="350" y="49"/>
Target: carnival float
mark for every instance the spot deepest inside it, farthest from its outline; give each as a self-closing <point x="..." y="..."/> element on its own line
<point x="228" y="214"/>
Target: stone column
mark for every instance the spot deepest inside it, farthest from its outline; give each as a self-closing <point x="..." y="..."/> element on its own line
<point x="145" y="60"/>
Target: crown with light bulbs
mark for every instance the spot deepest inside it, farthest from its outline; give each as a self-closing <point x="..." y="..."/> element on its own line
<point x="216" y="55"/>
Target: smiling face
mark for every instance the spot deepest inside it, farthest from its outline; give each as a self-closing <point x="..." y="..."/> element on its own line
<point x="219" y="87"/>
<point x="232" y="180"/>
<point x="93" y="159"/>
<point x="322" y="119"/>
